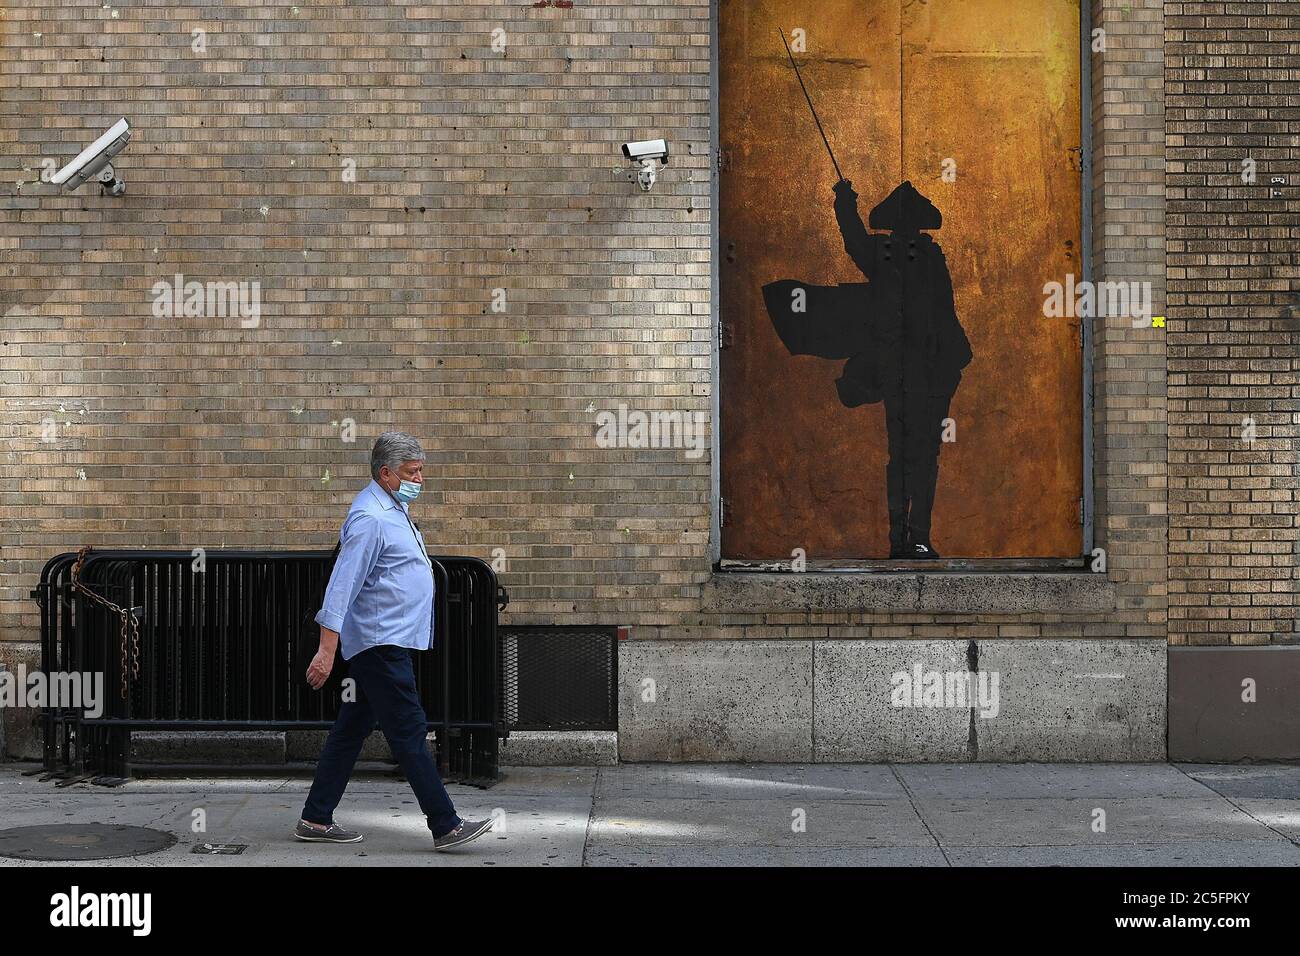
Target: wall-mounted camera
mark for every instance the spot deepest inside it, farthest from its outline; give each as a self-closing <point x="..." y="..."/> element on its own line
<point x="94" y="160"/>
<point x="648" y="153"/>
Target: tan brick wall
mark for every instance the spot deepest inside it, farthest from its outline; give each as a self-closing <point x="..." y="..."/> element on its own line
<point x="1233" y="83"/>
<point x="476" y="170"/>
<point x="1129" y="363"/>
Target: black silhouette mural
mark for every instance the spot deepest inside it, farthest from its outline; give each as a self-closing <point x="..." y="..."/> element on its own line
<point x="900" y="334"/>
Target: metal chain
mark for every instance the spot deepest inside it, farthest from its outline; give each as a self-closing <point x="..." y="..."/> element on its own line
<point x="129" y="626"/>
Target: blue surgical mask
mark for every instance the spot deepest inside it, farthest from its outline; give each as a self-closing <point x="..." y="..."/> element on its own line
<point x="407" y="491"/>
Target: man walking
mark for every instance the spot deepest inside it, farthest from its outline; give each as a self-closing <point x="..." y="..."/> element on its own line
<point x="379" y="604"/>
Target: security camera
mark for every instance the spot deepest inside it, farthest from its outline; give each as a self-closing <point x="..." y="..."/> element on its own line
<point x="94" y="159"/>
<point x="647" y="149"/>
<point x="647" y="152"/>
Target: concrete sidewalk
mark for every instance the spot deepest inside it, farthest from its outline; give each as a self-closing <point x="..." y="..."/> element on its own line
<point x="729" y="814"/>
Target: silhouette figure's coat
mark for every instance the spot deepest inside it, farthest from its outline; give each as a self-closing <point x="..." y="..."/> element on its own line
<point x="900" y="334"/>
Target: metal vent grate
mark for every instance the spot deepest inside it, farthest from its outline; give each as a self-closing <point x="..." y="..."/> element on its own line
<point x="559" y="678"/>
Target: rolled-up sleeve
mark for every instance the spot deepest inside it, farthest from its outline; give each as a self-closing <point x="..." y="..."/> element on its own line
<point x="362" y="539"/>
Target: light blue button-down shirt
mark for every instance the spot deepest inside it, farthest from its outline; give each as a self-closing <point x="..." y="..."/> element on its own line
<point x="381" y="591"/>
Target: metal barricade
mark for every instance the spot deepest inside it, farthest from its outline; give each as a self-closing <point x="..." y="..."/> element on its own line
<point x="220" y="646"/>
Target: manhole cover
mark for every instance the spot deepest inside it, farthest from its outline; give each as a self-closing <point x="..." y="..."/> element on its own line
<point x="81" y="841"/>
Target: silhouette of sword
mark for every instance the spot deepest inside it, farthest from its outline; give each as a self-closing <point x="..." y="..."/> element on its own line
<point x="810" y="106"/>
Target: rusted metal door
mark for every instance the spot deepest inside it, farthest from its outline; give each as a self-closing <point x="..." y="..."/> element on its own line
<point x="976" y="103"/>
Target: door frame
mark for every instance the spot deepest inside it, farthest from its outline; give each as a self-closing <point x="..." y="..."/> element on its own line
<point x="1088" y="490"/>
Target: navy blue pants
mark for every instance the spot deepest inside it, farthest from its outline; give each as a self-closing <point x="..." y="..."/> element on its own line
<point x="385" y="692"/>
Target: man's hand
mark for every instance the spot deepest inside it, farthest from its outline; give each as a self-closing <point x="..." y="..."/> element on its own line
<point x="318" y="671"/>
<point x="845" y="188"/>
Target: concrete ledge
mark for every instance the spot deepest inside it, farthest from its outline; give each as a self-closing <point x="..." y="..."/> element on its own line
<point x="1082" y="592"/>
<point x="20" y="730"/>
<point x="854" y="720"/>
<point x="715" y="700"/>
<point x="537" y="748"/>
<point x="834" y="701"/>
<point x="1055" y="701"/>
<point x="743" y="592"/>
<point x="1210" y="722"/>
<point x="307" y="744"/>
<point x="560" y="748"/>
<point x="217" y="747"/>
<point x="1084" y="701"/>
<point x="231" y="747"/>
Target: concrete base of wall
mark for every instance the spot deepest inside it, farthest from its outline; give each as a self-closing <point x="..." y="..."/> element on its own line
<point x="834" y="701"/>
<point x="560" y="748"/>
<point x="846" y="701"/>
<point x="20" y="733"/>
<point x="1234" y="703"/>
<point x="235" y="748"/>
<point x="227" y="747"/>
<point x="307" y="744"/>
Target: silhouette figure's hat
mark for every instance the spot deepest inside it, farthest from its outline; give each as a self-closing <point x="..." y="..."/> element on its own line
<point x="905" y="210"/>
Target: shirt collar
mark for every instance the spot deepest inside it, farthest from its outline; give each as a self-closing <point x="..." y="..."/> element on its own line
<point x="385" y="500"/>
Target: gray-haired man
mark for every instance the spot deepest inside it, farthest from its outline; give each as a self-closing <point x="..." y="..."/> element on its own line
<point x="379" y="603"/>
